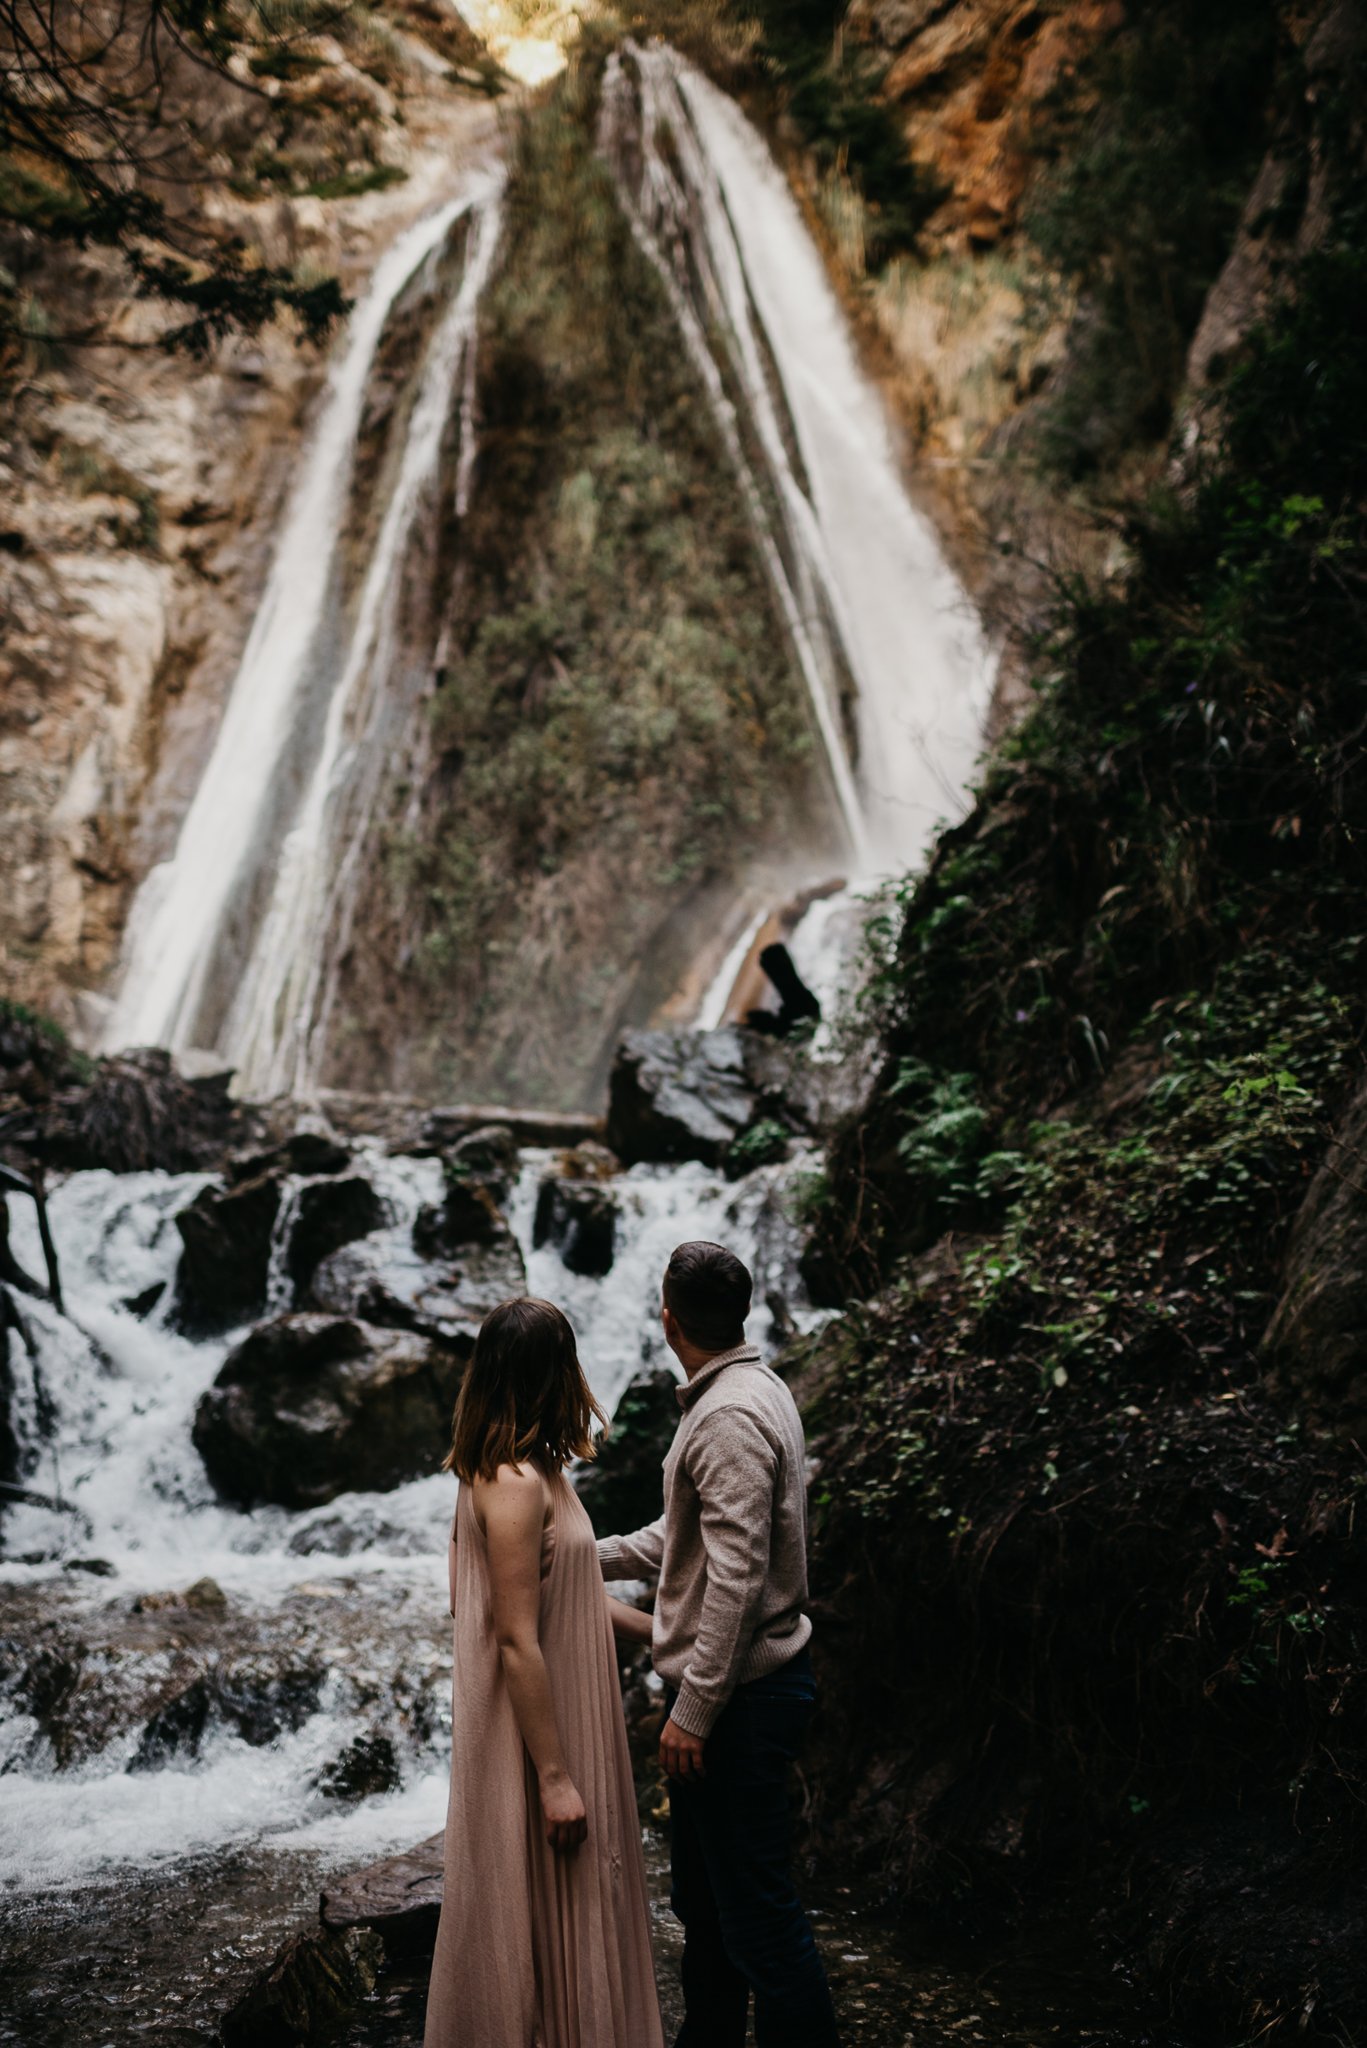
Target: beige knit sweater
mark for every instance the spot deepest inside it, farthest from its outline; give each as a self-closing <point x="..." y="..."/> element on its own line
<point x="731" y="1546"/>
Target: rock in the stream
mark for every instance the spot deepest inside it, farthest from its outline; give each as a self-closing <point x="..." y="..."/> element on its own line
<point x="624" y="1486"/>
<point x="692" y="1094"/>
<point x="137" y="1112"/>
<point x="328" y="1215"/>
<point x="226" y="1233"/>
<point x="580" y="1219"/>
<point x="488" y="1154"/>
<point x="445" y="1299"/>
<point x="366" y="1768"/>
<point x="310" y="1406"/>
<point x="305" y="1152"/>
<point x="1316" y="1341"/>
<point x="398" y="1898"/>
<point x="314" y="1981"/>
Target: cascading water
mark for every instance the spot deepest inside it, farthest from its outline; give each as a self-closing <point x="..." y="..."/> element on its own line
<point x="107" y="1401"/>
<point x="227" y="939"/>
<point x="894" y="656"/>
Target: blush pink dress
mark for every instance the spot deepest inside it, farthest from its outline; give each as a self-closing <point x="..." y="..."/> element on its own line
<point x="535" y="1949"/>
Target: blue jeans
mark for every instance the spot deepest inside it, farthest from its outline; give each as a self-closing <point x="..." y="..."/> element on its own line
<point x="731" y="1834"/>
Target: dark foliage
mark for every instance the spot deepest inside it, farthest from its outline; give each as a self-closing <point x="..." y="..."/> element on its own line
<point x="1147" y="151"/>
<point x="99" y="144"/>
<point x="1101" y="1586"/>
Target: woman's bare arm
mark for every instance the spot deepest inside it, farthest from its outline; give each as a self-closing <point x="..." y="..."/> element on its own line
<point x="629" y="1624"/>
<point x="512" y="1507"/>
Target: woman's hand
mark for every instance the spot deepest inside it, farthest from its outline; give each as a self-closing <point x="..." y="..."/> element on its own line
<point x="630" y="1624"/>
<point x="567" y="1824"/>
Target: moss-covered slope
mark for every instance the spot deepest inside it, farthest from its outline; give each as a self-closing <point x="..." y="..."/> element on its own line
<point x="1093" y="1586"/>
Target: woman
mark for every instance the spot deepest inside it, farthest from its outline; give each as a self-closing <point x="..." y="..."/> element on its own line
<point x="544" y="1939"/>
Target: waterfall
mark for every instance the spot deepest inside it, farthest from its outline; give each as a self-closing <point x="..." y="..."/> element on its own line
<point x="894" y="657"/>
<point x="257" y="856"/>
<point x="234" y="943"/>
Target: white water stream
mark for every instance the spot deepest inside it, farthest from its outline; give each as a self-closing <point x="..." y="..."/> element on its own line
<point x="252" y="860"/>
<point x="122" y="1390"/>
<point x="894" y="655"/>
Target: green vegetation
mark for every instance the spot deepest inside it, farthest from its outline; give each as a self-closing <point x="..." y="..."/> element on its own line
<point x="830" y="87"/>
<point x="1116" y="1613"/>
<point x="1148" y="151"/>
<point x="348" y="184"/>
<point x="618" y="721"/>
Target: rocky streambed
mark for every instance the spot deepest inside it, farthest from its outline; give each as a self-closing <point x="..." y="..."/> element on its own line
<point x="224" y="1661"/>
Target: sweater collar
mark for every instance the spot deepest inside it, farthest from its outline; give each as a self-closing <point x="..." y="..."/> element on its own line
<point x="740" y="1354"/>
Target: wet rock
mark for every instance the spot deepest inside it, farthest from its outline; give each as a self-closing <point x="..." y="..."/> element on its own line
<point x="1316" y="1342"/>
<point x="580" y="1219"/>
<point x="314" y="1981"/>
<point x="97" y="1567"/>
<point x="305" y="1152"/>
<point x="693" y="1094"/>
<point x="138" y="1113"/>
<point x="310" y="1406"/>
<point x="256" y="1698"/>
<point x="344" y="1536"/>
<point x="624" y="1486"/>
<point x="226" y="1232"/>
<point x="262" y="1698"/>
<point x="488" y="1154"/>
<point x="206" y="1596"/>
<point x="365" y="1769"/>
<point x="478" y="1171"/>
<point x="444" y="1300"/>
<point x="398" y="1897"/>
<point x="469" y="1215"/>
<point x="328" y="1215"/>
<point x="143" y="1303"/>
<point x="175" y="1729"/>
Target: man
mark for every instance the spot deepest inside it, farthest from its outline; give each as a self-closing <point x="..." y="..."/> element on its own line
<point x="729" y="1639"/>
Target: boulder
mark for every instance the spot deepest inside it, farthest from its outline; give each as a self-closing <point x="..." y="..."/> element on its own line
<point x="691" y="1094"/>
<point x="399" y="1898"/>
<point x="1316" y="1342"/>
<point x="623" y="1488"/>
<point x="304" y="1152"/>
<point x="313" y="1982"/>
<point x="580" y="1219"/>
<point x="469" y="1215"/>
<point x="136" y="1112"/>
<point x="478" y="1172"/>
<point x="365" y="1769"/>
<point x="445" y="1301"/>
<point x="226" y="1232"/>
<point x="310" y="1406"/>
<point x="327" y="1215"/>
<point x="488" y="1154"/>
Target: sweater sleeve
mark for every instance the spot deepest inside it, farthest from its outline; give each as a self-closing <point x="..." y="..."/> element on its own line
<point x="638" y="1556"/>
<point x="733" y="1466"/>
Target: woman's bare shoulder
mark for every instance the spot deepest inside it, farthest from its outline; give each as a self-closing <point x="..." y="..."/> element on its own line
<point x="514" y="1489"/>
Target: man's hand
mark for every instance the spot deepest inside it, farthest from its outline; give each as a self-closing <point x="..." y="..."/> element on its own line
<point x="680" y="1752"/>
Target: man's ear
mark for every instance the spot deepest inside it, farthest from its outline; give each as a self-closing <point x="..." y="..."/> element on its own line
<point x="669" y="1324"/>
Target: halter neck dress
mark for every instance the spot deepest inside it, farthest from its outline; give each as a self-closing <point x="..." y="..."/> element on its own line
<point x="535" y="1949"/>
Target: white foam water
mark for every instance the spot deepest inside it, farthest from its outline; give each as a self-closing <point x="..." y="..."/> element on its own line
<point x="127" y="1486"/>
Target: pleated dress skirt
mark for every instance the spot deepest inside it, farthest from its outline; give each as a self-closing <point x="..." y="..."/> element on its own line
<point x="535" y="1949"/>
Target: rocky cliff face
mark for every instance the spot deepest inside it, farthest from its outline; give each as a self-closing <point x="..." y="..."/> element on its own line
<point x="142" y="492"/>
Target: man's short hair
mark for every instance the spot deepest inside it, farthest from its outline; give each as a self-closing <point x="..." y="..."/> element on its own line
<point x="707" y="1291"/>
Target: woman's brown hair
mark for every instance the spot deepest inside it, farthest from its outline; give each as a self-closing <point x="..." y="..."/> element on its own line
<point x="524" y="1394"/>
